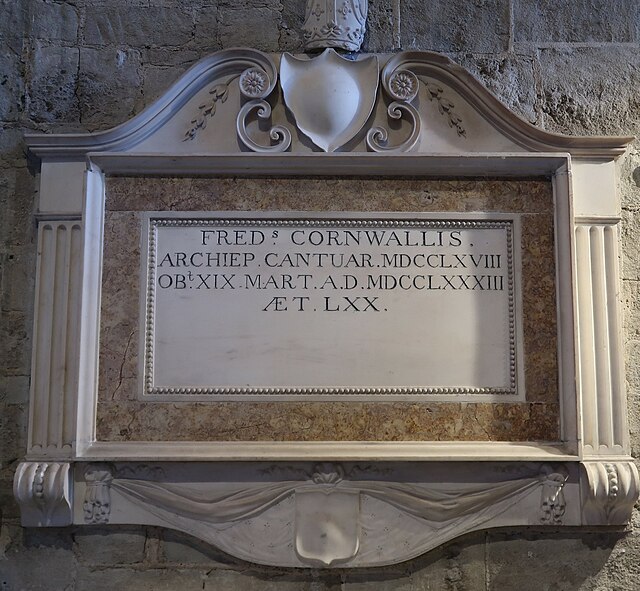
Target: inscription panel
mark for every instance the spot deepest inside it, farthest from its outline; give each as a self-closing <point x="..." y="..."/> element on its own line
<point x="362" y="306"/>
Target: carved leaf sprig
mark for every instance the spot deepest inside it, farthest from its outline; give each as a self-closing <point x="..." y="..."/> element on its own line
<point x="445" y="106"/>
<point x="219" y="94"/>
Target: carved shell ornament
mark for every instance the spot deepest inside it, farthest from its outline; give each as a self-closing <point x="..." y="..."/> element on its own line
<point x="331" y="97"/>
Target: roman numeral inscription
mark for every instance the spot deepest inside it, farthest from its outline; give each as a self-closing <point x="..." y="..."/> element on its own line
<point x="347" y="306"/>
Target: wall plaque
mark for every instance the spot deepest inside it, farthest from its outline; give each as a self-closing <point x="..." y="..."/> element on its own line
<point x="363" y="306"/>
<point x="241" y="309"/>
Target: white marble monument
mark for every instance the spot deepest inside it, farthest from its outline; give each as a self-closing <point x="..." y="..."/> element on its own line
<point x="328" y="503"/>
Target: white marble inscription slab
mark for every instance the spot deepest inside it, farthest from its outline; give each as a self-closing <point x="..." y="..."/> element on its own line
<point x="365" y="306"/>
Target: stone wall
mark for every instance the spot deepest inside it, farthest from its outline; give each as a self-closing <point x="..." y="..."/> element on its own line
<point x="85" y="65"/>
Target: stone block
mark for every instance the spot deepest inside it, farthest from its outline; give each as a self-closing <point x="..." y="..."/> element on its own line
<point x="53" y="21"/>
<point x="100" y="546"/>
<point x="545" y="561"/>
<point x="622" y="570"/>
<point x="381" y="22"/>
<point x="52" y="88"/>
<point x="107" y="4"/>
<point x="10" y="538"/>
<point x="12" y="24"/>
<point x="17" y="279"/>
<point x="10" y="509"/>
<point x="14" y="389"/>
<point x="13" y="432"/>
<point x="579" y="21"/>
<point x="207" y="32"/>
<point x="17" y="194"/>
<point x="267" y="580"/>
<point x="510" y="78"/>
<point x="634" y="424"/>
<point x="274" y="5"/>
<point x="630" y="235"/>
<point x="12" y="149"/>
<point x="633" y="369"/>
<point x="15" y="336"/>
<point x="49" y="538"/>
<point x="7" y="189"/>
<point x="455" y="25"/>
<point x="169" y="57"/>
<point x="110" y="85"/>
<point x="631" y="308"/>
<point x="181" y="549"/>
<point x="110" y="579"/>
<point x="250" y="27"/>
<point x="629" y="174"/>
<point x="457" y="565"/>
<point x="291" y="37"/>
<point x="591" y="91"/>
<point x="382" y="582"/>
<point x="38" y="569"/>
<point x="11" y="87"/>
<point x="138" y="26"/>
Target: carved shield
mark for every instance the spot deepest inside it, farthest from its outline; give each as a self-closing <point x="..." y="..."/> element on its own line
<point x="330" y="97"/>
<point x="327" y="526"/>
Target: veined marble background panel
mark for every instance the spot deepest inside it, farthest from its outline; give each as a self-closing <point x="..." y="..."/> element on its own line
<point x="122" y="417"/>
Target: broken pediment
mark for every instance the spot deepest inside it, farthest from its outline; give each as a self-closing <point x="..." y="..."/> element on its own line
<point x="242" y="100"/>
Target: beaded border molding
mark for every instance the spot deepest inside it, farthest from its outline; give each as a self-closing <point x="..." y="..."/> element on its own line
<point x="179" y="392"/>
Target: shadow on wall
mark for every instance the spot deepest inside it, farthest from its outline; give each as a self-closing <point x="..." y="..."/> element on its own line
<point x="157" y="559"/>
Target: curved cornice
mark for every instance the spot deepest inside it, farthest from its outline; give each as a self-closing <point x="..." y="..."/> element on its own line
<point x="233" y="62"/>
<point x="227" y="62"/>
<point x="440" y="67"/>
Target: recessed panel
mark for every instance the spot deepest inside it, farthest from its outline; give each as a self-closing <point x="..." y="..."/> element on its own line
<point x="144" y="397"/>
<point x="350" y="306"/>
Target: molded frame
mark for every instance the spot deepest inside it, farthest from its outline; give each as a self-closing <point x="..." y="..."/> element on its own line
<point x="396" y="166"/>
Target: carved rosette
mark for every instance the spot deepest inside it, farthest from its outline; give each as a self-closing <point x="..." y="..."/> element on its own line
<point x="254" y="83"/>
<point x="43" y="491"/>
<point x="257" y="84"/>
<point x="335" y="23"/>
<point x="610" y="491"/>
<point x="402" y="86"/>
